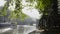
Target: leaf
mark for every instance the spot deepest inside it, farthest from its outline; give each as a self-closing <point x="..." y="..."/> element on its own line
<point x="43" y="5"/>
<point x="23" y="16"/>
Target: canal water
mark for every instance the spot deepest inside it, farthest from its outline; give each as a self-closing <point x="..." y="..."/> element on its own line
<point x="24" y="29"/>
<point x="20" y="29"/>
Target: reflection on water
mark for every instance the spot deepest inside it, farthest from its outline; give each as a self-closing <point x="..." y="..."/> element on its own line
<point x="21" y="29"/>
<point x="6" y="31"/>
<point x="25" y="29"/>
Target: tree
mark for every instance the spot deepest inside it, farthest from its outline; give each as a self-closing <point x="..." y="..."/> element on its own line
<point x="16" y="13"/>
<point x="42" y="5"/>
<point x="45" y="7"/>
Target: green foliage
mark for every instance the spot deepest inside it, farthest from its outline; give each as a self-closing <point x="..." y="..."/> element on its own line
<point x="30" y="1"/>
<point x="4" y="9"/>
<point x="43" y="5"/>
<point x="17" y="13"/>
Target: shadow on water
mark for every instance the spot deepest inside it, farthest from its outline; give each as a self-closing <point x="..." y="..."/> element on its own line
<point x="51" y="32"/>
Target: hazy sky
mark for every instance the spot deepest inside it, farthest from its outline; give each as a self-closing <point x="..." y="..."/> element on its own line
<point x="2" y="2"/>
<point x="33" y="13"/>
